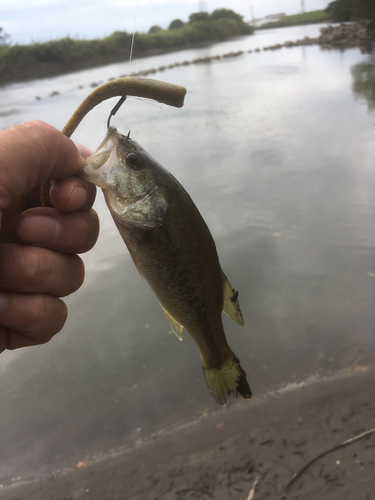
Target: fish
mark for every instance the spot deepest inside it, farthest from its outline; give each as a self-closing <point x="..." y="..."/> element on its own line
<point x="174" y="252"/>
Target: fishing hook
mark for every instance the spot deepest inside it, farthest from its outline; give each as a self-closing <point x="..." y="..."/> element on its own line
<point x="115" y="109"/>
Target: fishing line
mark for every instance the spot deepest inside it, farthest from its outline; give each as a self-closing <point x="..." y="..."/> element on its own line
<point x="123" y="98"/>
<point x="145" y="100"/>
<point x="132" y="42"/>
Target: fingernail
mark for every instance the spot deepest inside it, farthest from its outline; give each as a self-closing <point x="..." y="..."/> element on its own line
<point x="39" y="229"/>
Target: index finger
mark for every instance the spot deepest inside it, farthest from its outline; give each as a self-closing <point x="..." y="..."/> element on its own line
<point x="31" y="153"/>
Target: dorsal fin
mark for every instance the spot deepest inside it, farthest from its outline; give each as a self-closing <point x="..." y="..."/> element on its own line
<point x="174" y="324"/>
<point x="231" y="307"/>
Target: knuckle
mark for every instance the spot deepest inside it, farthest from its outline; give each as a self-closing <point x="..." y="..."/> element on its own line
<point x="34" y="267"/>
<point x="79" y="232"/>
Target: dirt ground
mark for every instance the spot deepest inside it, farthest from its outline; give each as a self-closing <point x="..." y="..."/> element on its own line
<point x="245" y="451"/>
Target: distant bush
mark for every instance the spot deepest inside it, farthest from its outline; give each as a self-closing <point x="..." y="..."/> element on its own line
<point x="175" y="24"/>
<point x="154" y="29"/>
<point x="226" y="14"/>
<point x="199" y="16"/>
<point x="363" y="9"/>
<point x="340" y="10"/>
<point x="118" y="41"/>
<point x="4" y="37"/>
<point x="351" y="10"/>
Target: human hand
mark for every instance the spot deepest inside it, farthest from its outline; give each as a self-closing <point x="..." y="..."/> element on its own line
<point x="38" y="245"/>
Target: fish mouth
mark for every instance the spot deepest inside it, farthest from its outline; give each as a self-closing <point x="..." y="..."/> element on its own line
<point x="92" y="170"/>
<point x="99" y="164"/>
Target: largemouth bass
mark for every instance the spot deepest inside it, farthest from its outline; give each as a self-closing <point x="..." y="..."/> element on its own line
<point x="174" y="251"/>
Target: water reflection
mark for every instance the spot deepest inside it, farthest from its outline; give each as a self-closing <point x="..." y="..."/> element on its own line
<point x="364" y="82"/>
<point x="278" y="156"/>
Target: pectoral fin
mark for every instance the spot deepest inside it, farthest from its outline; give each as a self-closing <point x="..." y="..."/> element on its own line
<point x="231" y="307"/>
<point x="175" y="325"/>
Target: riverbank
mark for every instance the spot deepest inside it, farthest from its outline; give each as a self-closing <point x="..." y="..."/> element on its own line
<point x="315" y="16"/>
<point x="241" y="450"/>
<point x="343" y="36"/>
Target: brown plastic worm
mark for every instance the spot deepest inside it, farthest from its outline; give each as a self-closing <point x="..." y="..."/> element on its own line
<point x="166" y="93"/>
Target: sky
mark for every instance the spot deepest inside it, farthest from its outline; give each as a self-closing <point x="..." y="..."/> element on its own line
<point x="28" y="21"/>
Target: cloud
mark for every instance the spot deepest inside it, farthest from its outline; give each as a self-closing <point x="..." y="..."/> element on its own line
<point x="25" y="4"/>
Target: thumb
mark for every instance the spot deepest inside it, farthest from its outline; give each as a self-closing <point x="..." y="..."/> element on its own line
<point x="31" y="153"/>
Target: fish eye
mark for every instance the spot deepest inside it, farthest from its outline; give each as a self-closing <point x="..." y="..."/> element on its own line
<point x="133" y="161"/>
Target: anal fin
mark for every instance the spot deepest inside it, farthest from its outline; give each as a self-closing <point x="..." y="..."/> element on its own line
<point x="174" y="324"/>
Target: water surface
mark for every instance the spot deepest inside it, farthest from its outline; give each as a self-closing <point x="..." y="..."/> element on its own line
<point x="277" y="150"/>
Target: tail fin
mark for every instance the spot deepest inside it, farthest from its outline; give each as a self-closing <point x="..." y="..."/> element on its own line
<point x="229" y="380"/>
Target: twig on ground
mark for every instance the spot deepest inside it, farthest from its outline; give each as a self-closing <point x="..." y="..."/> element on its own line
<point x="321" y="455"/>
<point x="252" y="491"/>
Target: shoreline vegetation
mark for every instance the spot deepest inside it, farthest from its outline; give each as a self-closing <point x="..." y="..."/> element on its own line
<point x="23" y="62"/>
<point x="338" y="11"/>
<point x="313" y="17"/>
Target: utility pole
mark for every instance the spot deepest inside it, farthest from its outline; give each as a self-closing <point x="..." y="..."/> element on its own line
<point x="202" y="6"/>
<point x="303" y="6"/>
<point x="252" y="15"/>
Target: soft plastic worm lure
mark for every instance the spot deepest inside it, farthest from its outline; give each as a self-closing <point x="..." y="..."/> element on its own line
<point x="166" y="93"/>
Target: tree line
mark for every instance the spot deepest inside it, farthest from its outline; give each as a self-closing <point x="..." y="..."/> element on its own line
<point x="351" y="10"/>
<point x="66" y="54"/>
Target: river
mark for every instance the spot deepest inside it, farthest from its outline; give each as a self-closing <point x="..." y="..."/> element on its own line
<point x="277" y="150"/>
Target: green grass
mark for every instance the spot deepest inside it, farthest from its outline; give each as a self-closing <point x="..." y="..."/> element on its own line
<point x="316" y="16"/>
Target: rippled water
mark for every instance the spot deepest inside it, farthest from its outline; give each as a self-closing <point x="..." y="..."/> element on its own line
<point x="277" y="150"/>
